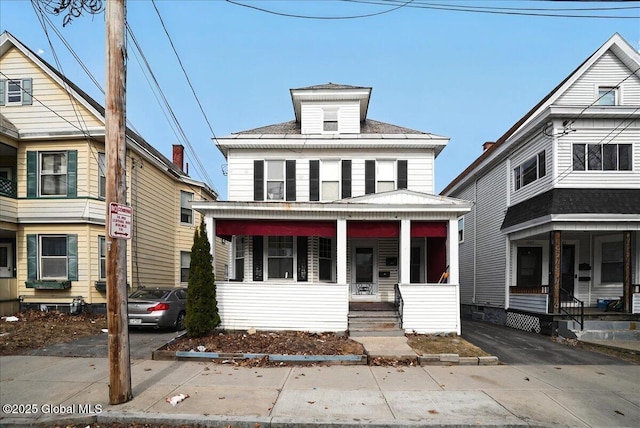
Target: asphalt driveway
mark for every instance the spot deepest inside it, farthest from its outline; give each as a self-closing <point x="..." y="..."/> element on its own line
<point x="513" y="346"/>
<point x="142" y="343"/>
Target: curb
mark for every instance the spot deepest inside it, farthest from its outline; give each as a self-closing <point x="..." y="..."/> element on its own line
<point x="455" y="359"/>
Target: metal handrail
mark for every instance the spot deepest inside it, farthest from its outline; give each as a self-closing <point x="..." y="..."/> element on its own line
<point x="398" y="301"/>
<point x="572" y="307"/>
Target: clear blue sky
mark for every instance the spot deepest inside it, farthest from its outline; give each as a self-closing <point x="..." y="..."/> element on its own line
<point x="468" y="76"/>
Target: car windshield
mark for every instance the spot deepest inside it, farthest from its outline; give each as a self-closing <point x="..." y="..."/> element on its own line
<point x="150" y="294"/>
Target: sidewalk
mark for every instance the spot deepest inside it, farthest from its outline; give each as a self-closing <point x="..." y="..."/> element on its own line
<point x="69" y="389"/>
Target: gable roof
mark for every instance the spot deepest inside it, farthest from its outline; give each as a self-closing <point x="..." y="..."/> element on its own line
<point x="134" y="140"/>
<point x="616" y="44"/>
<point x="406" y="197"/>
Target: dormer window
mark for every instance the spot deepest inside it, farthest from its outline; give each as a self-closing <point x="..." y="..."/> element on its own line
<point x="607" y="96"/>
<point x="330" y="120"/>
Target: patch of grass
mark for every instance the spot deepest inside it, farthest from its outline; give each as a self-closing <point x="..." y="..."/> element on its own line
<point x="444" y="344"/>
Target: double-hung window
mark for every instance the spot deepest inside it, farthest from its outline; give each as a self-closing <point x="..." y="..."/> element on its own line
<point x="53" y="174"/>
<point x="186" y="212"/>
<point x="102" y="176"/>
<point x="330" y="120"/>
<point x="102" y="258"/>
<point x="238" y="262"/>
<point x="277" y="177"/>
<point x="530" y="170"/>
<point x="325" y="265"/>
<point x="185" y="262"/>
<point x="385" y="175"/>
<point x="330" y="180"/>
<point x="53" y="257"/>
<point x="461" y="229"/>
<point x="280" y="257"/>
<point x="602" y="157"/>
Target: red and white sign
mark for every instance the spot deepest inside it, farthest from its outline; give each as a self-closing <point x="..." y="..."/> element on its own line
<point x="120" y="221"/>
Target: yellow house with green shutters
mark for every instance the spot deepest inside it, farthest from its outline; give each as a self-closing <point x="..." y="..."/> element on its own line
<point x="52" y="194"/>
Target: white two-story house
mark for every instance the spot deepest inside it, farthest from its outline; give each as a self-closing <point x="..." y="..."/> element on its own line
<point x="556" y="217"/>
<point x="332" y="208"/>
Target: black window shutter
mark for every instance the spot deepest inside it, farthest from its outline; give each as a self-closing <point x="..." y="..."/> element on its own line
<point x="258" y="272"/>
<point x="258" y="180"/>
<point x="290" y="172"/>
<point x="32" y="257"/>
<point x="314" y="180"/>
<point x="72" y="173"/>
<point x="346" y="179"/>
<point x="402" y="174"/>
<point x="369" y="176"/>
<point x="303" y="265"/>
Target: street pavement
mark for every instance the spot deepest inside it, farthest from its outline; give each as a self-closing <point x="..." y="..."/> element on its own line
<point x="575" y="389"/>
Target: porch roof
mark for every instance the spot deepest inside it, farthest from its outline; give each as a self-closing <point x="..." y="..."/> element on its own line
<point x="598" y="202"/>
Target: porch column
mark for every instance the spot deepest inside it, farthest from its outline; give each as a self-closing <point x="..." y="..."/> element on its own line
<point x="555" y="256"/>
<point x="452" y="243"/>
<point x="210" y="225"/>
<point x="626" y="271"/>
<point x="404" y="250"/>
<point x="341" y="252"/>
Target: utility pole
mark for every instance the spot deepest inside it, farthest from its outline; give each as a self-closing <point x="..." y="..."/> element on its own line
<point x="116" y="149"/>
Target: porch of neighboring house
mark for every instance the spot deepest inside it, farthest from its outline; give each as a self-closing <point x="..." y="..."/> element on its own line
<point x="577" y="275"/>
<point x="313" y="275"/>
<point x="9" y="301"/>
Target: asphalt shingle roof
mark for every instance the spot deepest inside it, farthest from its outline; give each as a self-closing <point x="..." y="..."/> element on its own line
<point x="367" y="127"/>
<point x="574" y="201"/>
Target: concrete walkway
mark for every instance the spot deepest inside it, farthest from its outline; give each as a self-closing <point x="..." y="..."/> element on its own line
<point x="63" y="390"/>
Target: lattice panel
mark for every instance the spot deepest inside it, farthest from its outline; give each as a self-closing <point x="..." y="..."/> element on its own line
<point x="523" y="322"/>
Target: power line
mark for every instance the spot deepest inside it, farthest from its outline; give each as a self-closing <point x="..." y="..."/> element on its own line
<point x="502" y="11"/>
<point x="292" y="15"/>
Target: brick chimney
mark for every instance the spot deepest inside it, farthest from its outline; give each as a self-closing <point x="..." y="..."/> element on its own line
<point x="178" y="156"/>
<point x="486" y="146"/>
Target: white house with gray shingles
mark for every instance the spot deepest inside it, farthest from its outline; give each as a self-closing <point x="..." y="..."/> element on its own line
<point x="556" y="214"/>
<point x="333" y="208"/>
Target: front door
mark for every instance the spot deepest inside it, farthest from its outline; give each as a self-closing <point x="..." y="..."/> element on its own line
<point x="363" y="279"/>
<point x="6" y="260"/>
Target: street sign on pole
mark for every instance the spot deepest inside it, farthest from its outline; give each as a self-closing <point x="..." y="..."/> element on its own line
<point x="120" y="221"/>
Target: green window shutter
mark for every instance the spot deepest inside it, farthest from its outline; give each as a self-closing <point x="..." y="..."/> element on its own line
<point x="2" y="83"/>
<point x="72" y="173"/>
<point x="27" y="85"/>
<point x="32" y="174"/>
<point x="72" y="257"/>
<point x="32" y="257"/>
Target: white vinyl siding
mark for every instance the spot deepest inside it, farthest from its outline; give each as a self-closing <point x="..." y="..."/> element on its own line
<point x="541" y="143"/>
<point x="429" y="309"/>
<point x="591" y="131"/>
<point x="387" y="248"/>
<point x="606" y="71"/>
<point x="346" y="113"/>
<point x="420" y="169"/>
<point x="283" y="306"/>
<point x="466" y="250"/>
<point x="490" y="208"/>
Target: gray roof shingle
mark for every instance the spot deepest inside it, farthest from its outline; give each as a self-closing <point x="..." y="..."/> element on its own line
<point x="574" y="201"/>
<point x="369" y="126"/>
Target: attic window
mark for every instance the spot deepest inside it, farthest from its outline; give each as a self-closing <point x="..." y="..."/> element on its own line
<point x="330" y="120"/>
<point x="607" y="96"/>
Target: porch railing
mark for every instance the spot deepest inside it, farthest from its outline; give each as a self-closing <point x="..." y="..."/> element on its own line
<point x="8" y="188"/>
<point x="398" y="301"/>
<point x="572" y="307"/>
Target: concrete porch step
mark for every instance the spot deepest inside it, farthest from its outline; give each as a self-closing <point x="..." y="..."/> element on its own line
<point x="372" y="314"/>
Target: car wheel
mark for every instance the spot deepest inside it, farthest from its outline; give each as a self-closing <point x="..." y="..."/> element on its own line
<point x="180" y="321"/>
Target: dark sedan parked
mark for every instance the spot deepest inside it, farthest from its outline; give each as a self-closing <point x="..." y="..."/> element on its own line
<point x="158" y="308"/>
